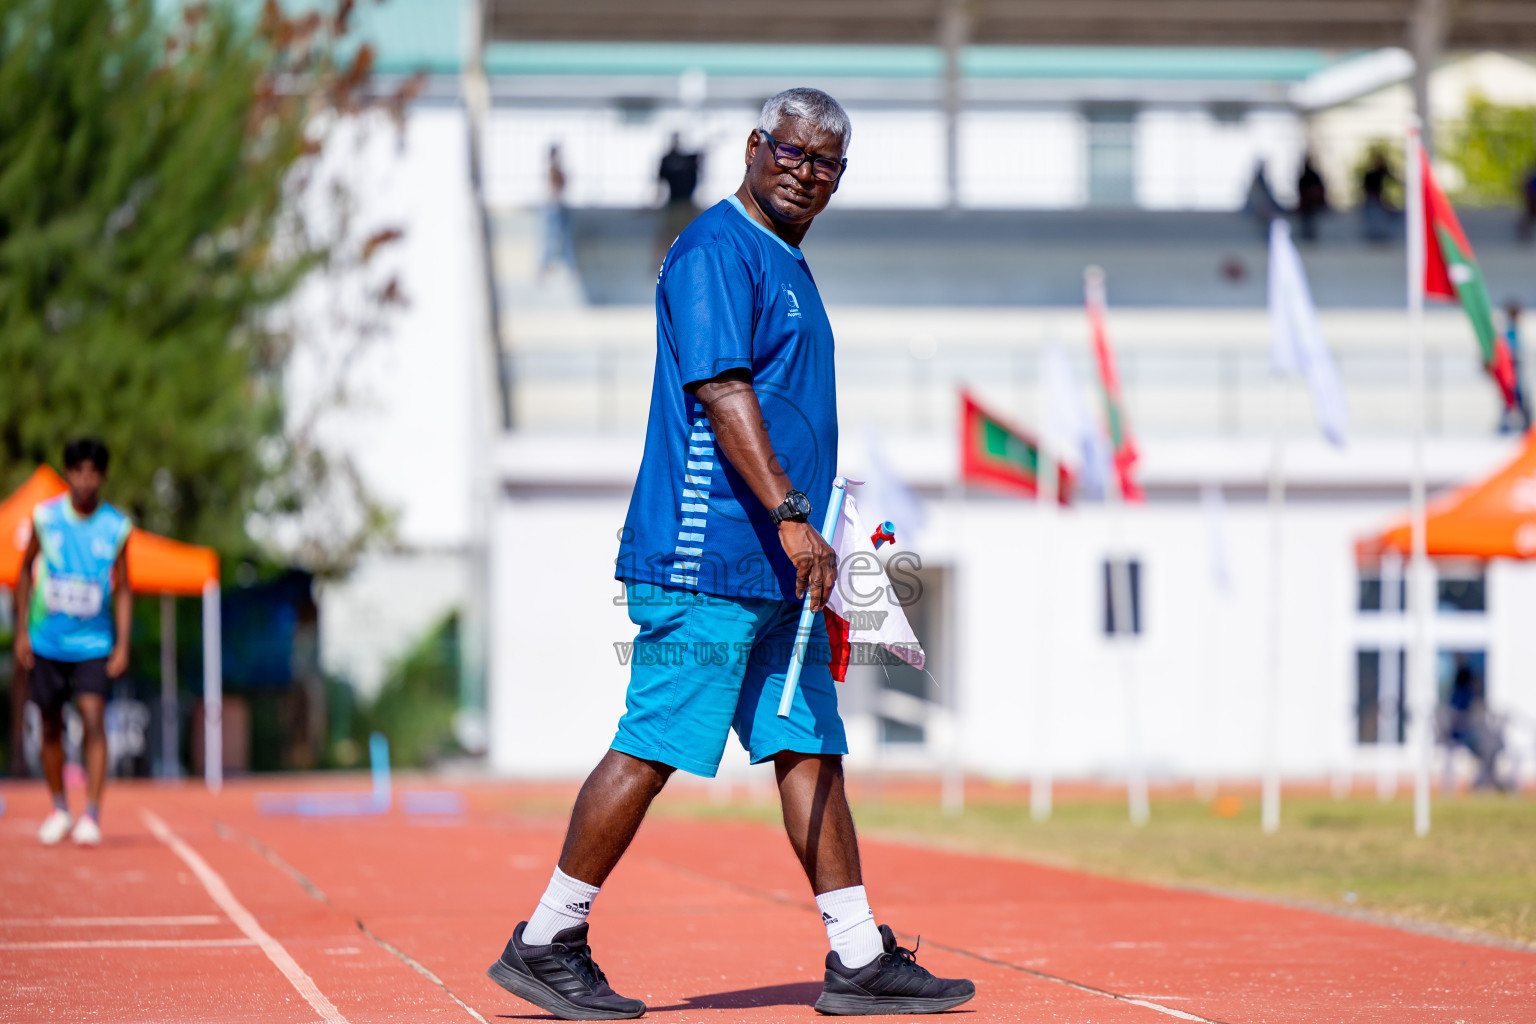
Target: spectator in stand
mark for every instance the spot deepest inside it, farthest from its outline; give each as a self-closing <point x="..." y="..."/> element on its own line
<point x="1472" y="725"/>
<point x="678" y="175"/>
<point x="1260" y="203"/>
<point x="558" y="247"/>
<point x="1311" y="198"/>
<point x="1376" y="216"/>
<point x="1518" y="418"/>
<point x="1528" y="216"/>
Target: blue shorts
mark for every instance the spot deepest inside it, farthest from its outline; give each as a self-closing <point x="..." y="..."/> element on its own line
<point x="703" y="664"/>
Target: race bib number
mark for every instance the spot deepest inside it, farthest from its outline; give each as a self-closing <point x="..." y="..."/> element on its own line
<point x="80" y="599"/>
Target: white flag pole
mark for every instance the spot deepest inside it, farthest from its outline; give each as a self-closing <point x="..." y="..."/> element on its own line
<point x="1389" y="680"/>
<point x="1122" y="607"/>
<point x="1047" y="494"/>
<point x="1420" y="688"/>
<point x="1270" y="798"/>
<point x="213" y="689"/>
<point x="1122" y="612"/>
<point x="807" y="616"/>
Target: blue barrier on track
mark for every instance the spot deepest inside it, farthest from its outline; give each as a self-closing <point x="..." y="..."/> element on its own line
<point x="438" y="802"/>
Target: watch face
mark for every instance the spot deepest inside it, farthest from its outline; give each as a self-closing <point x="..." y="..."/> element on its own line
<point x="799" y="503"/>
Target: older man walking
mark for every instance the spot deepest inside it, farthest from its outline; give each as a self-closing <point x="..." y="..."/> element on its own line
<point x="718" y="546"/>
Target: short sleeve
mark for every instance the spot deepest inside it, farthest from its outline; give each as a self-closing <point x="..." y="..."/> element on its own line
<point x="710" y="296"/>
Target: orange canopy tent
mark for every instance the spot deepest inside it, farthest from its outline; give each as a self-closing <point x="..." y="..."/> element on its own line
<point x="1492" y="519"/>
<point x="156" y="565"/>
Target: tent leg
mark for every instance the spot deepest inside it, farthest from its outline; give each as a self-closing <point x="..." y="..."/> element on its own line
<point x="213" y="690"/>
<point x="170" y="714"/>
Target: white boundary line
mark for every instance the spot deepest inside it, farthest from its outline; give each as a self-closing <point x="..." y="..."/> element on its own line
<point x="110" y="922"/>
<point x="790" y="901"/>
<point x="128" y="944"/>
<point x="244" y="920"/>
<point x="315" y="891"/>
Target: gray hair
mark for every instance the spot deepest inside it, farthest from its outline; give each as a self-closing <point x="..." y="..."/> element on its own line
<point x="811" y="105"/>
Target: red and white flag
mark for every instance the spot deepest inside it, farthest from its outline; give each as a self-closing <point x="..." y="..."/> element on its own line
<point x="863" y="607"/>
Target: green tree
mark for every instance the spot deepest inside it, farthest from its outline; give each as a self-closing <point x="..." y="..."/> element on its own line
<point x="1494" y="149"/>
<point x="153" y="173"/>
<point x="420" y="697"/>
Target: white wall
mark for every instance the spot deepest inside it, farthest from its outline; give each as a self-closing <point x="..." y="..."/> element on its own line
<point x="1188" y="160"/>
<point x="406" y="420"/>
<point x="1031" y="158"/>
<point x="1013" y="159"/>
<point x="555" y="689"/>
<point x="1199" y="674"/>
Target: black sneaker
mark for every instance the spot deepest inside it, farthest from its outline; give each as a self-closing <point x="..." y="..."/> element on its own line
<point x="891" y="983"/>
<point x="561" y="977"/>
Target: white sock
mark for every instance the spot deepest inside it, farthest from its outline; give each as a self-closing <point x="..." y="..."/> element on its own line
<point x="565" y="904"/>
<point x="850" y="925"/>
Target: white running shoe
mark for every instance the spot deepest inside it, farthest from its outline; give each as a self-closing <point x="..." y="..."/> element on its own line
<point x="55" y="827"/>
<point x="86" y="832"/>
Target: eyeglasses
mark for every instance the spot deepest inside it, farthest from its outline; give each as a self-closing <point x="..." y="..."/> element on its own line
<point x="790" y="157"/>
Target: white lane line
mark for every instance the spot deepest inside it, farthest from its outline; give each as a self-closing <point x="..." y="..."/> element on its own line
<point x="315" y="891"/>
<point x="111" y="922"/>
<point x="127" y="944"/>
<point x="781" y="898"/>
<point x="244" y="920"/>
<point x="1091" y="990"/>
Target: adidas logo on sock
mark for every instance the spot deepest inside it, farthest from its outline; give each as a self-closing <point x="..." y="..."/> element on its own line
<point x="584" y="907"/>
<point x="827" y="918"/>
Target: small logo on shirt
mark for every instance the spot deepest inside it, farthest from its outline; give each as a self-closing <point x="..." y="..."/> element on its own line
<point x="101" y="547"/>
<point x="794" y="303"/>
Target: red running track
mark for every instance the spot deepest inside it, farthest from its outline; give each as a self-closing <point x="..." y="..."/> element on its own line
<point x="197" y="908"/>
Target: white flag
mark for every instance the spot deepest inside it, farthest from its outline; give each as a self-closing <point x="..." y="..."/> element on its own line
<point x="1297" y="345"/>
<point x="863" y="607"/>
<point x="1214" y="502"/>
<point x="1070" y="428"/>
<point x="886" y="495"/>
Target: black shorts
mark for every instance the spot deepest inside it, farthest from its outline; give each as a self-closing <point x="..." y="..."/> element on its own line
<point x="54" y="682"/>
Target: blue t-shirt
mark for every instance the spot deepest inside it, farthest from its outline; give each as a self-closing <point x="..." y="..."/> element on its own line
<point x="730" y="294"/>
<point x="70" y="618"/>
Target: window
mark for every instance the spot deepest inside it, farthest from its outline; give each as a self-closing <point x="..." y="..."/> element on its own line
<point x="1378" y="700"/>
<point x="1371" y="593"/>
<point x="1112" y="625"/>
<point x="1462" y="593"/>
<point x="892" y="731"/>
<point x="1111" y="154"/>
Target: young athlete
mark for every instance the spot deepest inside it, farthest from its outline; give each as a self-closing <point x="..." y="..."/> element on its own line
<point x="73" y="612"/>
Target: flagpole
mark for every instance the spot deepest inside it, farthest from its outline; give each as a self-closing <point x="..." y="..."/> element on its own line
<point x="807" y="614"/>
<point x="1047" y="494"/>
<point x="1120" y="602"/>
<point x="1389" y="679"/>
<point x="1420" y="686"/>
<point x="1270" y="798"/>
<point x="1124" y="636"/>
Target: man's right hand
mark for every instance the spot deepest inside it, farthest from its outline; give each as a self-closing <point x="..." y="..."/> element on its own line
<point x="23" y="649"/>
<point x="815" y="561"/>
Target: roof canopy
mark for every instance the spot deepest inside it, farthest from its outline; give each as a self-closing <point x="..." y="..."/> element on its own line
<point x="1492" y="519"/>
<point x="1335" y="24"/>
<point x="156" y="565"/>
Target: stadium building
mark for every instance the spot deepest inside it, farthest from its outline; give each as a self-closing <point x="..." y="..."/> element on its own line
<point x="983" y="179"/>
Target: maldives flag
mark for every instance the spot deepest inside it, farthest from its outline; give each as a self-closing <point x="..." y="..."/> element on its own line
<point x="993" y="452"/>
<point x="863" y="607"/>
<point x="1125" y="454"/>
<point x="1451" y="273"/>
